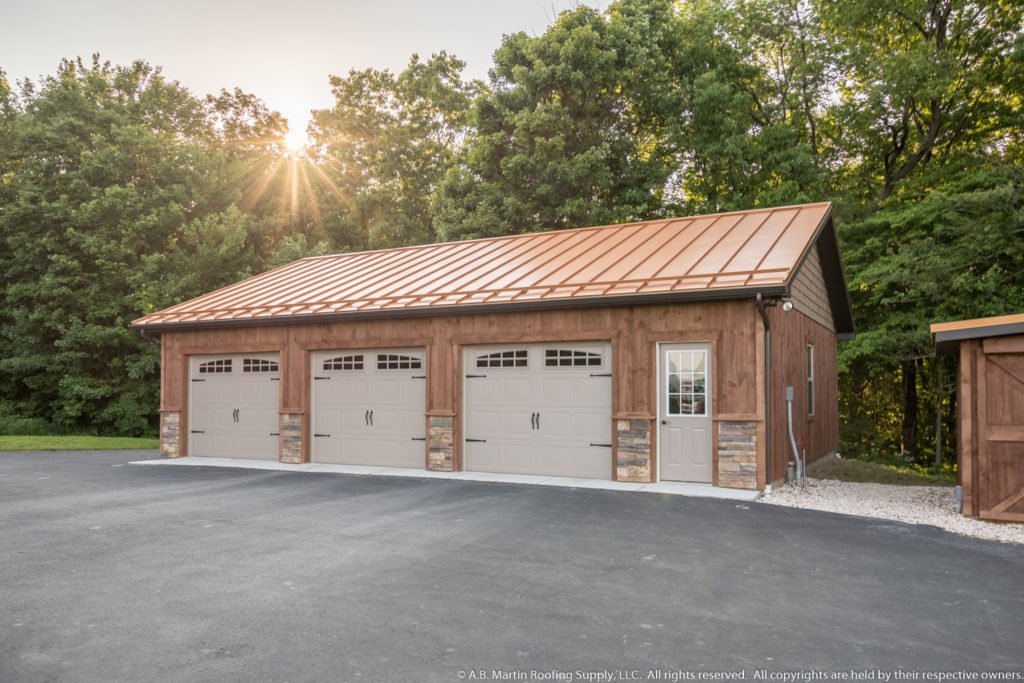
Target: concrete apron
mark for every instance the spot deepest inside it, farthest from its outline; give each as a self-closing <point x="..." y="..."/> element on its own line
<point x="673" y="488"/>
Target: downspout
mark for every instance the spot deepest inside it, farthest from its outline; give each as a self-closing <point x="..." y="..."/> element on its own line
<point x="767" y="394"/>
<point x="142" y="333"/>
<point x="799" y="480"/>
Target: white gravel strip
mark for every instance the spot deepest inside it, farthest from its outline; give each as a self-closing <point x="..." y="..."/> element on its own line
<point x="935" y="505"/>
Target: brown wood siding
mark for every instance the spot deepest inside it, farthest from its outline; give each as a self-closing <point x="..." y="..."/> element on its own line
<point x="791" y="332"/>
<point x="808" y="291"/>
<point x="990" y="457"/>
<point x="967" y="451"/>
<point x="732" y="328"/>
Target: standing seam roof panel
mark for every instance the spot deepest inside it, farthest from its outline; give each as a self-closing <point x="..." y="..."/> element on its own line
<point x="328" y="277"/>
<point x="716" y="258"/>
<point x="793" y="243"/>
<point x="724" y="251"/>
<point x="686" y="259"/>
<point x="749" y="256"/>
<point x="418" y="265"/>
<point x="520" y="279"/>
<point x="575" y="263"/>
<point x="621" y="267"/>
<point x="465" y="276"/>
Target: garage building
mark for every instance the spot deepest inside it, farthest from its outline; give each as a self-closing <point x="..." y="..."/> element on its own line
<point x="643" y="352"/>
<point x="990" y="412"/>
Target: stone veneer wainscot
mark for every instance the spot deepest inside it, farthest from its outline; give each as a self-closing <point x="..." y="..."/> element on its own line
<point x="633" y="454"/>
<point x="170" y="434"/>
<point x="737" y="454"/>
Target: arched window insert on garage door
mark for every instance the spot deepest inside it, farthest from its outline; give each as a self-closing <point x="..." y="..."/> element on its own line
<point x="211" y="366"/>
<point x="569" y="358"/>
<point x="394" y="361"/>
<point x="258" y="365"/>
<point x="354" y="362"/>
<point x="516" y="358"/>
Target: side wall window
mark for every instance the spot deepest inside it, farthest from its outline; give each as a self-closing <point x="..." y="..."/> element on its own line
<point x="810" y="379"/>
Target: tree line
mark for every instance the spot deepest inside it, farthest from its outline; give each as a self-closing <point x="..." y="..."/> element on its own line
<point x="121" y="192"/>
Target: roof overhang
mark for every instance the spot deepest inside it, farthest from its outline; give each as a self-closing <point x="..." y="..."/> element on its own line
<point x="826" y="241"/>
<point x="474" y="309"/>
<point x="947" y="336"/>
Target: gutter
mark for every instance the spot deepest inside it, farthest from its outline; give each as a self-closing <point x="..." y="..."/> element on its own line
<point x="466" y="309"/>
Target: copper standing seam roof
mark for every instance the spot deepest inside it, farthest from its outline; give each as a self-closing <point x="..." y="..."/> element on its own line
<point x="729" y="254"/>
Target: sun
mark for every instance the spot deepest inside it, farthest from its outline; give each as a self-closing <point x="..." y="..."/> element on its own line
<point x="295" y="140"/>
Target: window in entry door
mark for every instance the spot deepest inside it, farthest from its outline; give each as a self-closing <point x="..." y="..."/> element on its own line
<point x="686" y="386"/>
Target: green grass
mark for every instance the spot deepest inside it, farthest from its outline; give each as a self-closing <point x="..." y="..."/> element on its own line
<point x="878" y="473"/>
<point x="74" y="443"/>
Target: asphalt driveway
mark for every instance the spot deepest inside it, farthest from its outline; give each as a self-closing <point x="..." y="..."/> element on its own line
<point x="114" y="572"/>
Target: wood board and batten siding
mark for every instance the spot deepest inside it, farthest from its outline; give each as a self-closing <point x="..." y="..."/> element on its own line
<point x="792" y="332"/>
<point x="633" y="331"/>
<point x="991" y="420"/>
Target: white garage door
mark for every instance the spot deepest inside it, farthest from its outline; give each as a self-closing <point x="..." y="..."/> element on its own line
<point x="233" y="406"/>
<point x="539" y="409"/>
<point x="369" y="407"/>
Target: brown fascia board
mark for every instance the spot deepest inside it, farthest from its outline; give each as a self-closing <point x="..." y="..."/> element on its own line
<point x="505" y="307"/>
<point x="826" y="241"/>
<point x="948" y="341"/>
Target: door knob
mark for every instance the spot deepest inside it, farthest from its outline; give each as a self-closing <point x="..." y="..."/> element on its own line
<point x="664" y="422"/>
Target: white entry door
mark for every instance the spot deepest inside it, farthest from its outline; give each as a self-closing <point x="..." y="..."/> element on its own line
<point x="684" y="390"/>
<point x="233" y="406"/>
<point x="369" y="407"/>
<point x="539" y="409"/>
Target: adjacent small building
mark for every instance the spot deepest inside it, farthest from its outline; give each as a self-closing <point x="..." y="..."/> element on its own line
<point x="990" y="412"/>
<point x="644" y="352"/>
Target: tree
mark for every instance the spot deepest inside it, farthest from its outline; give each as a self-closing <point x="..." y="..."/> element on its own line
<point x="557" y="141"/>
<point x="924" y="79"/>
<point x="384" y="147"/>
<point x="929" y="109"/>
<point x="117" y="202"/>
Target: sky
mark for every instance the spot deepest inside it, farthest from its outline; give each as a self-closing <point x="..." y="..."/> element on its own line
<point x="283" y="51"/>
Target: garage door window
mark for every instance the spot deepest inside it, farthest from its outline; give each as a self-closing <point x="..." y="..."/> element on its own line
<point x="394" y="361"/>
<point x="687" y="383"/>
<point x="564" y="358"/>
<point x="211" y="366"/>
<point x="354" y="362"/>
<point x="258" y="365"/>
<point x="503" y="359"/>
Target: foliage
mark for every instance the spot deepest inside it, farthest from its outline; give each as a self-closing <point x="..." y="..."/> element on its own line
<point x="557" y="140"/>
<point x="76" y="443"/>
<point x="119" y="201"/>
<point x="383" y="148"/>
<point x="929" y="197"/>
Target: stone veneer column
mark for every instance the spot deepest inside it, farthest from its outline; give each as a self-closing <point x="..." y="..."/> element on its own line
<point x="737" y="455"/>
<point x="170" y="434"/>
<point x="291" y="438"/>
<point x="633" y="452"/>
<point x="441" y="444"/>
